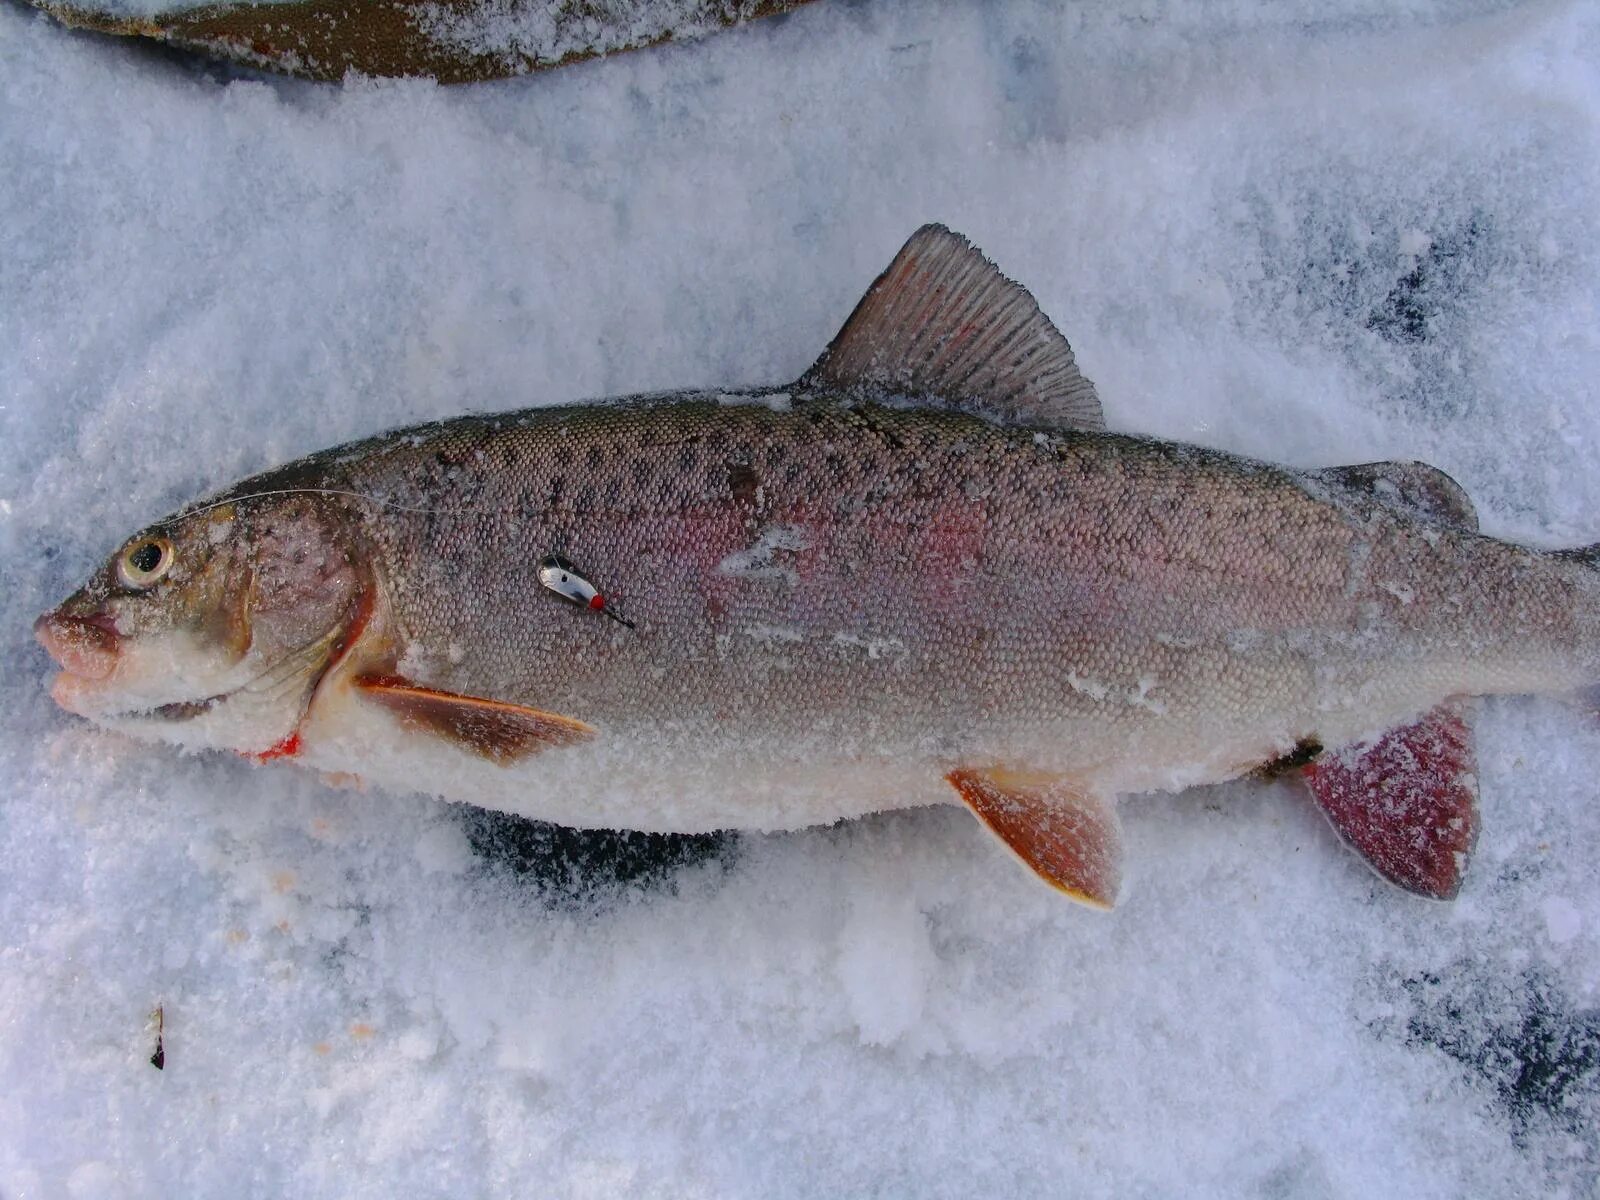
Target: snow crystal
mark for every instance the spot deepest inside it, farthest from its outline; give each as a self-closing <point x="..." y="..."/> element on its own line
<point x="1313" y="232"/>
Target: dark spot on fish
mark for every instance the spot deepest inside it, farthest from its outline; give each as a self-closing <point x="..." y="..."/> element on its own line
<point x="594" y="456"/>
<point x="776" y="453"/>
<point x="688" y="458"/>
<point x="558" y="484"/>
<point x="642" y="471"/>
<point x="744" y="483"/>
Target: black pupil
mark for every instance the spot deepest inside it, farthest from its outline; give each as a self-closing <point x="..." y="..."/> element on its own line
<point x="146" y="558"/>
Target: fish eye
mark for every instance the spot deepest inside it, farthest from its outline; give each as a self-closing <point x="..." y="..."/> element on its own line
<point x="144" y="563"/>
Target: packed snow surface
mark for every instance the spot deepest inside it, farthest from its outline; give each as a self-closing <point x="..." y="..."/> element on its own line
<point x="1315" y="232"/>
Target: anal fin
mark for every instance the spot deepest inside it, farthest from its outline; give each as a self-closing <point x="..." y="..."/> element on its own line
<point x="493" y="729"/>
<point x="1408" y="802"/>
<point x="1064" y="833"/>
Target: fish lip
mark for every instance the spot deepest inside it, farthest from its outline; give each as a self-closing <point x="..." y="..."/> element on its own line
<point x="76" y="694"/>
<point x="86" y="647"/>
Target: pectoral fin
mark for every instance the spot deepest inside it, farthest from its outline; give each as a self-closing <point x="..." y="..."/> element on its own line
<point x="503" y="733"/>
<point x="1066" y="834"/>
<point x="1408" y="802"/>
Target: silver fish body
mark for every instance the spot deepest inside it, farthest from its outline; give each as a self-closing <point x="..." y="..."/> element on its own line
<point x="829" y="600"/>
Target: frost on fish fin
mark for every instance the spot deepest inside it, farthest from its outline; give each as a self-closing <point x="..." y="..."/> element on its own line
<point x="943" y="323"/>
<point x="1408" y="802"/>
<point x="500" y="732"/>
<point x="1414" y="486"/>
<point x="1065" y="834"/>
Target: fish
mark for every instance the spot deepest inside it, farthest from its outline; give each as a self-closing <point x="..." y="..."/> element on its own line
<point x="448" y="41"/>
<point x="924" y="572"/>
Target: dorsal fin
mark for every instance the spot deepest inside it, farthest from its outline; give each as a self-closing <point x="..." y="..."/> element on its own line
<point x="942" y="323"/>
<point x="1414" y="486"/>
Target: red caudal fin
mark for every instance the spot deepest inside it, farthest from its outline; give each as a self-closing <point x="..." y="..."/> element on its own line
<point x="1407" y="802"/>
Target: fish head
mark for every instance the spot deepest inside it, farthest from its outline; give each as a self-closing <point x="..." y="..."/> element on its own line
<point x="211" y="628"/>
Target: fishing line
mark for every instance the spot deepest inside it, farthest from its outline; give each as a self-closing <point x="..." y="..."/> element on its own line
<point x="362" y="496"/>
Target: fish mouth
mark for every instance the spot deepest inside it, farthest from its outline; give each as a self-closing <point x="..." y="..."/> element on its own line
<point x="99" y="664"/>
<point x="87" y="650"/>
<point x="86" y="647"/>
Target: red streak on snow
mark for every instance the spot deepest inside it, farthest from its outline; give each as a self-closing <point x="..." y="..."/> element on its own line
<point x="287" y="748"/>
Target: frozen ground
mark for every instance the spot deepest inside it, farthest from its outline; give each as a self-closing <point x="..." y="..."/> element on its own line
<point x="1313" y="231"/>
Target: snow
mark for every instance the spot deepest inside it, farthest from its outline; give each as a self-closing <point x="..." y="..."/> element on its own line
<point x="1312" y="232"/>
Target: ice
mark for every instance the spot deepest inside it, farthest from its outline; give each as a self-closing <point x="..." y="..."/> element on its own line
<point x="1313" y="232"/>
